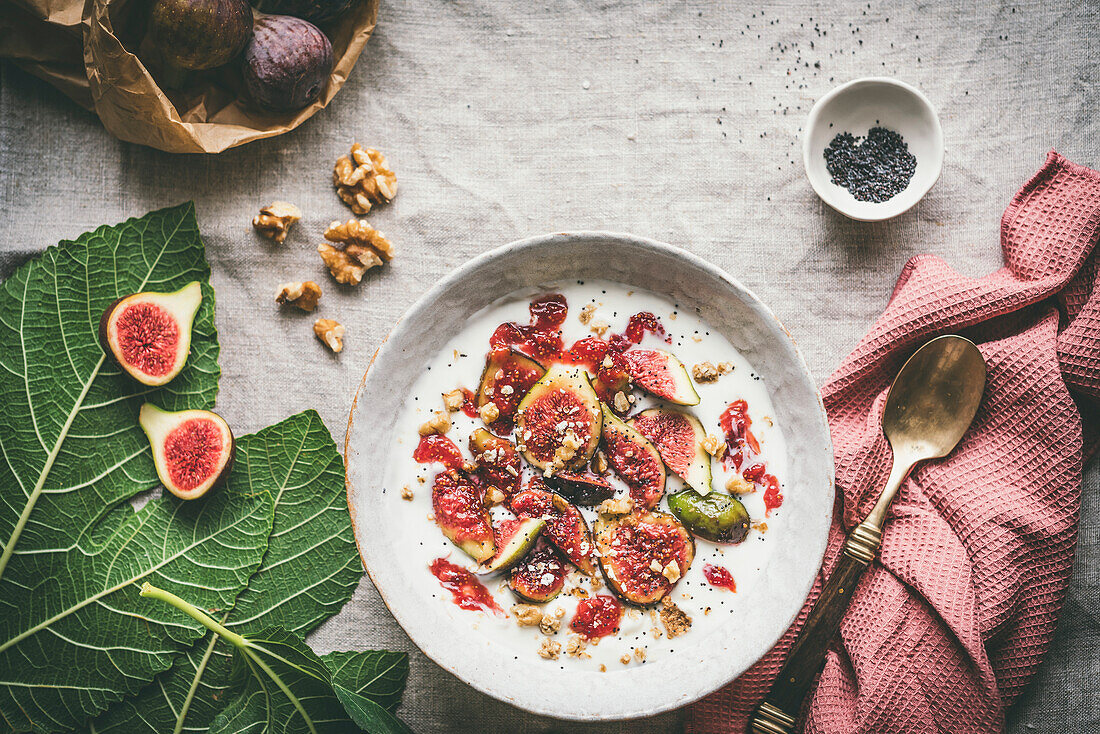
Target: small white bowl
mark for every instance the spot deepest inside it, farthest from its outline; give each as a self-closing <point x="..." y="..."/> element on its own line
<point x="856" y="107"/>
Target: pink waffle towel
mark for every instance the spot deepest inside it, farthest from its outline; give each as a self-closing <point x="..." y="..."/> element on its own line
<point x="948" y="626"/>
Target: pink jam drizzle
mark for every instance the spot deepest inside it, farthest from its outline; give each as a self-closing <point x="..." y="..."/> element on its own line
<point x="438" y="448"/>
<point x="597" y="616"/>
<point x="742" y="447"/>
<point x="719" y="576"/>
<point x="467" y="592"/>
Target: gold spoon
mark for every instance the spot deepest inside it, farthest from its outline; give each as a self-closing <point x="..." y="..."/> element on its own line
<point x="930" y="405"/>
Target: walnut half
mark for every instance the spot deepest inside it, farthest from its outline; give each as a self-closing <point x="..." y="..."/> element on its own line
<point x="303" y="295"/>
<point x="330" y="332"/>
<point x="364" y="248"/>
<point x="274" y="220"/>
<point x="363" y="178"/>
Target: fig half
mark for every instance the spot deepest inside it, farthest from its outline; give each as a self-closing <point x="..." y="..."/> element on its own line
<point x="461" y="514"/>
<point x="584" y="489"/>
<point x="662" y="374"/>
<point x="679" y="438"/>
<point x="498" y="464"/>
<point x="643" y="556"/>
<point x="565" y="526"/>
<point x="507" y="377"/>
<point x="562" y="404"/>
<point x="149" y="334"/>
<point x="540" y="576"/>
<point x="635" y="460"/>
<point x="514" y="538"/>
<point x="716" y="517"/>
<point x="192" y="449"/>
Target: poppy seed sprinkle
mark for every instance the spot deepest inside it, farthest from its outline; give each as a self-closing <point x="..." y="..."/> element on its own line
<point x="875" y="168"/>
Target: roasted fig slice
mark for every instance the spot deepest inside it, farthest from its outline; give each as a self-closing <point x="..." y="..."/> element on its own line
<point x="497" y="462"/>
<point x="635" y="460"/>
<point x="559" y="420"/>
<point x="540" y="576"/>
<point x="643" y="556"/>
<point x="662" y="374"/>
<point x="716" y="517"/>
<point x="584" y="489"/>
<point x="514" y="538"/>
<point x="192" y="449"/>
<point x="461" y="514"/>
<point x="565" y="526"/>
<point x="149" y="334"/>
<point x="507" y="377"/>
<point x="679" y="438"/>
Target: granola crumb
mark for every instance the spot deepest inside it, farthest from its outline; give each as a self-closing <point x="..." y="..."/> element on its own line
<point x="761" y="526"/>
<point x="570" y="443"/>
<point x="585" y="315"/>
<point x="549" y="649"/>
<point x="603" y="668"/>
<point x="527" y="615"/>
<point x="738" y="485"/>
<point x="625" y="659"/>
<point x="656" y="633"/>
<point x="599" y="328"/>
<point x="675" y="620"/>
<point x="406" y="493"/>
<point x="575" y="646"/>
<point x="639" y="653"/>
<point x="550" y="625"/>
<point x="705" y="372"/>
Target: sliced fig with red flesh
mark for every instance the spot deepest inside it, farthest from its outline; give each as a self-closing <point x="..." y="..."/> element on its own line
<point x="559" y="419"/>
<point x="565" y="526"/>
<point x="149" y="334"/>
<point x="584" y="489"/>
<point x="662" y="374"/>
<point x="679" y="438"/>
<point x="635" y="460"/>
<point x="498" y="463"/>
<point x="642" y="556"/>
<point x="461" y="514"/>
<point x="514" y="539"/>
<point x="508" y="376"/>
<point x="192" y="449"/>
<point x="540" y="576"/>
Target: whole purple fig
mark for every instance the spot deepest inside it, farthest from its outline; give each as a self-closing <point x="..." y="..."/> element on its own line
<point x="200" y="34"/>
<point x="287" y="63"/>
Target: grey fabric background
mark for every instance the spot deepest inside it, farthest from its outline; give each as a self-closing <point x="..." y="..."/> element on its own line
<point x="674" y="120"/>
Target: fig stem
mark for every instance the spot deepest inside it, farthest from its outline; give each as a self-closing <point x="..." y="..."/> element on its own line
<point x="152" y="592"/>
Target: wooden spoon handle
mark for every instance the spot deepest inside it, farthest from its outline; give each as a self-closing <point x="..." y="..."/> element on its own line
<point x="779" y="711"/>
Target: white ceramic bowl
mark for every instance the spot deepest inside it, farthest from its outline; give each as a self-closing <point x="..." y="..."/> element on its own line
<point x="856" y="107"/>
<point x="700" y="665"/>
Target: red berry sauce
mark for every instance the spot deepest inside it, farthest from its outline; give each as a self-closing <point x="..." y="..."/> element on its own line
<point x="467" y="592"/>
<point x="542" y="337"/>
<point x="469" y="402"/>
<point x="438" y="448"/>
<point x="719" y="576"/>
<point x="597" y="616"/>
<point x="742" y="447"/>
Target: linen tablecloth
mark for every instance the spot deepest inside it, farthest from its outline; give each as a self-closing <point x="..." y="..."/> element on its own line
<point x="674" y="120"/>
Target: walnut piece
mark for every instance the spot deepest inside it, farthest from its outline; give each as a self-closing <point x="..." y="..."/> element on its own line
<point x="738" y="485"/>
<point x="671" y="572"/>
<point x="440" y="423"/>
<point x="639" y="652"/>
<point x="550" y="649"/>
<point x="575" y="646"/>
<point x="364" y="248"/>
<point x="331" y="332"/>
<point x="274" y="220"/>
<point x="676" y="622"/>
<point x="453" y="400"/>
<point x="621" y="402"/>
<point x="550" y="625"/>
<point x="489" y="412"/>
<point x="303" y="295"/>
<point x="625" y="659"/>
<point x="494" y="497"/>
<point x="406" y="493"/>
<point x="570" y="442"/>
<point x="362" y="178"/>
<point x="622" y="506"/>
<point x="599" y="328"/>
<point x="599" y="462"/>
<point x="714" y="446"/>
<point x="705" y="372"/>
<point x="527" y="615"/>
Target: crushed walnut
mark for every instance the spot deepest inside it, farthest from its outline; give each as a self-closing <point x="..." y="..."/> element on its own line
<point x="671" y="572"/>
<point x="406" y="493"/>
<point x="708" y="372"/>
<point x="489" y="412"/>
<point x="739" y="485"/>
<point x="274" y="220"/>
<point x="527" y="615"/>
<point x="620" y="506"/>
<point x="586" y="313"/>
<point x="599" y="328"/>
<point x="364" y="248"/>
<point x="331" y="333"/>
<point x="599" y="462"/>
<point x="440" y="423"/>
<point x="570" y="443"/>
<point x="363" y="178"/>
<point x="621" y="403"/>
<point x="575" y="646"/>
<point x="675" y="620"/>
<point x="549" y="649"/>
<point x="714" y="446"/>
<point x="494" y="497"/>
<point x="550" y="625"/>
<point x="454" y="400"/>
<point x="303" y="295"/>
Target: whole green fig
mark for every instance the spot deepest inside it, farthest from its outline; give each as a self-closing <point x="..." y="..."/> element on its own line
<point x="315" y="11"/>
<point x="287" y="63"/>
<point x="200" y="34"/>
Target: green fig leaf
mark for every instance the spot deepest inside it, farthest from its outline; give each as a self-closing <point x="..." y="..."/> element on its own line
<point x="309" y="572"/>
<point x="376" y="674"/>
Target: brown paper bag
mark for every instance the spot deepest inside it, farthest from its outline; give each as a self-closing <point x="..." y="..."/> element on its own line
<point x="86" y="49"/>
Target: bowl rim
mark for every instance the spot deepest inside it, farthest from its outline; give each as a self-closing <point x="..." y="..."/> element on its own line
<point x="812" y="121"/>
<point x="817" y="554"/>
